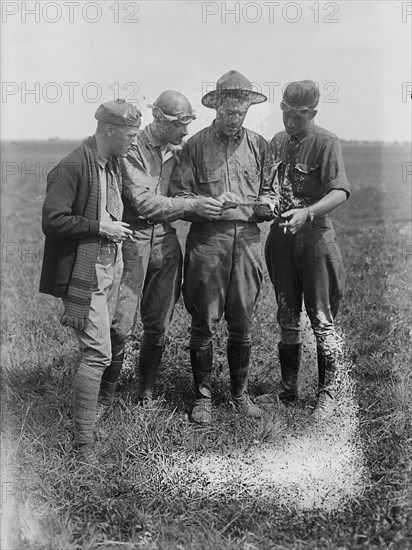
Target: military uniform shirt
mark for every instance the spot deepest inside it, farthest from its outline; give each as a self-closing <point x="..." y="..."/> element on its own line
<point x="211" y="163"/>
<point x="146" y="175"/>
<point x="308" y="166"/>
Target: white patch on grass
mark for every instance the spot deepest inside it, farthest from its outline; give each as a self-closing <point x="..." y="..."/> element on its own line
<point x="9" y="525"/>
<point x="18" y="523"/>
<point x="316" y="466"/>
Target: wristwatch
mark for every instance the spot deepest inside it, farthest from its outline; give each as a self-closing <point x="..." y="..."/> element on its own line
<point x="310" y="215"/>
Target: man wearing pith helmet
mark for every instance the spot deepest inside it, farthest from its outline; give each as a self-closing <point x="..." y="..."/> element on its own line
<point x="153" y="261"/>
<point x="223" y="264"/>
<point x="82" y="263"/>
<point x="302" y="255"/>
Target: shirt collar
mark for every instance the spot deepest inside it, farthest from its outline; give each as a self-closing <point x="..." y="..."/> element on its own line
<point x="152" y="141"/>
<point x="101" y="160"/>
<point x="223" y="137"/>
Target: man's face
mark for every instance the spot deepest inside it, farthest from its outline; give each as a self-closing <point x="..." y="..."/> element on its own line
<point x="172" y="131"/>
<point x="230" y="115"/>
<point x="121" y="138"/>
<point x="294" y="123"/>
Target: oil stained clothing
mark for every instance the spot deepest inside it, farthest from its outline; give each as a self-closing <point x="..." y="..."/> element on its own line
<point x="223" y="263"/>
<point x="307" y="265"/>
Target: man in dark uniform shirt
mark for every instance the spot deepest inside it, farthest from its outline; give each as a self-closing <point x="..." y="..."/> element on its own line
<point x="302" y="255"/>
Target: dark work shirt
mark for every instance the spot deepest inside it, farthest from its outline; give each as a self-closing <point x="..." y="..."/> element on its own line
<point x="211" y="164"/>
<point x="308" y="166"/>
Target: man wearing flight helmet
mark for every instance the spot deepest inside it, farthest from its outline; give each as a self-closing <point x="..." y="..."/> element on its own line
<point x="153" y="262"/>
<point x="302" y="255"/>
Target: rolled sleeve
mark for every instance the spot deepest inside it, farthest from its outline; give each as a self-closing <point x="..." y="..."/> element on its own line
<point x="332" y="168"/>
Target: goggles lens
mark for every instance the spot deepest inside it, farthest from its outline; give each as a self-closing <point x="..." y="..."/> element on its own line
<point x="184" y="118"/>
<point x="286" y="108"/>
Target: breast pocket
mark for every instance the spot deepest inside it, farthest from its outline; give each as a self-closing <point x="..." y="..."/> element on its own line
<point x="307" y="182"/>
<point x="251" y="174"/>
<point x="210" y="180"/>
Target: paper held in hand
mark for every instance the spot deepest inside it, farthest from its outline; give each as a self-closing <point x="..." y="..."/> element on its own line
<point x="233" y="204"/>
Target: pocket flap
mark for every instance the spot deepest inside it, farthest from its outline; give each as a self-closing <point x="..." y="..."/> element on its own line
<point x="304" y="168"/>
<point x="208" y="174"/>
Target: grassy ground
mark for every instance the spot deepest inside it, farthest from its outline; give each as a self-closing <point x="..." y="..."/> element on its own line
<point x="148" y="491"/>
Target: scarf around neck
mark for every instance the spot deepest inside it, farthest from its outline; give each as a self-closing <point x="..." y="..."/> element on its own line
<point x="79" y="294"/>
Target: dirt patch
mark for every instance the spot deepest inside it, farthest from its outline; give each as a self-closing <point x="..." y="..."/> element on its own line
<point x="315" y="466"/>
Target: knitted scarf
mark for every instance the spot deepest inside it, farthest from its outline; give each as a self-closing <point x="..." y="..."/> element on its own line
<point x="79" y="294"/>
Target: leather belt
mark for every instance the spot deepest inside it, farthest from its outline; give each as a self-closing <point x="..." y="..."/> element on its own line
<point x="144" y="223"/>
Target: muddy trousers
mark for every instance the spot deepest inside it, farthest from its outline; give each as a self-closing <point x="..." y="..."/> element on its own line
<point x="152" y="279"/>
<point x="307" y="267"/>
<point x="222" y="277"/>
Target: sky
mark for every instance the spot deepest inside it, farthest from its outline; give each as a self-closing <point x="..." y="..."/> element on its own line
<point x="61" y="60"/>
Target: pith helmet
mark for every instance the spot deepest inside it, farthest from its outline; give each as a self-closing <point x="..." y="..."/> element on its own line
<point x="232" y="83"/>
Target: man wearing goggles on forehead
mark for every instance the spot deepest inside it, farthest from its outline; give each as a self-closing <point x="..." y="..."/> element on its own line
<point x="153" y="260"/>
<point x="182" y="118"/>
<point x="286" y="108"/>
<point x="302" y="255"/>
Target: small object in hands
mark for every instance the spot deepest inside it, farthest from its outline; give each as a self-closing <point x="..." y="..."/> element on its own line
<point x="229" y="204"/>
<point x="284" y="227"/>
<point x="263" y="212"/>
<point x="232" y="204"/>
<point x="310" y="215"/>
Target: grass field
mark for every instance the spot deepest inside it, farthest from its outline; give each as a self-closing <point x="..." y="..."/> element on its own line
<point x="163" y="484"/>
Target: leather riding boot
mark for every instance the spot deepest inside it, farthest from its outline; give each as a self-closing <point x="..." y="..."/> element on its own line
<point x="238" y="357"/>
<point x="201" y="360"/>
<point x="325" y="405"/>
<point x="289" y="357"/>
<point x="109" y="379"/>
<point x="149" y="361"/>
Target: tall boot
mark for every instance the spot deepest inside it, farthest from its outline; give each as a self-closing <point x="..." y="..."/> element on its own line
<point x="109" y="379"/>
<point x="238" y="357"/>
<point x="325" y="405"/>
<point x="201" y="360"/>
<point x="149" y="361"/>
<point x="289" y="357"/>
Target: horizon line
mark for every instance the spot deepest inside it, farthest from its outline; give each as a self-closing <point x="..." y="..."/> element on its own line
<point x="54" y="139"/>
